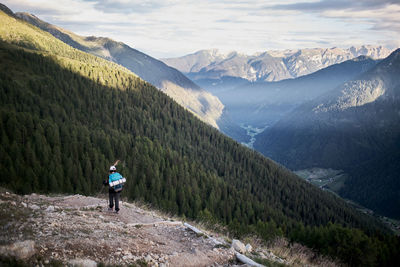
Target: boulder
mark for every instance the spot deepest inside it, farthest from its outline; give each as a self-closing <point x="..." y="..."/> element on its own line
<point x="148" y="258"/>
<point x="19" y="250"/>
<point x="249" y="248"/>
<point x="238" y="246"/>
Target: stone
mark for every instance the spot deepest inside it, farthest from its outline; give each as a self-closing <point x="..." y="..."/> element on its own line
<point x="24" y="204"/>
<point x="249" y="248"/>
<point x="238" y="246"/>
<point x="194" y="251"/>
<point x="19" y="250"/>
<point x="128" y="256"/>
<point x="83" y="263"/>
<point x="34" y="207"/>
<point x="148" y="258"/>
<point x="50" y="209"/>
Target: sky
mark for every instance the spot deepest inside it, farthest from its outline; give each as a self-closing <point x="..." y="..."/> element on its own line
<point x="172" y="28"/>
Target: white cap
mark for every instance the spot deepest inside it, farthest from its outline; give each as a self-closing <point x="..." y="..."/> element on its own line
<point x="112" y="168"/>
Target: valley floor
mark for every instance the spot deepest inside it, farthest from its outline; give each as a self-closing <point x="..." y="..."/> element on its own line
<point x="252" y="132"/>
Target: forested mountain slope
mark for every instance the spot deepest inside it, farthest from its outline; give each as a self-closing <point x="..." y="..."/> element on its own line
<point x="169" y="80"/>
<point x="66" y="115"/>
<point x="356" y="128"/>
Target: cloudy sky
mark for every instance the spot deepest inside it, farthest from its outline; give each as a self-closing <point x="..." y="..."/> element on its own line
<point x="169" y="28"/>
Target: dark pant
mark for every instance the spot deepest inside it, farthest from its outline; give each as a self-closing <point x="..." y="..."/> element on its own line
<point x="114" y="196"/>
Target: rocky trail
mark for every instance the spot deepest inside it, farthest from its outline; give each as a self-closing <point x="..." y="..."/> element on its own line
<point x="79" y="231"/>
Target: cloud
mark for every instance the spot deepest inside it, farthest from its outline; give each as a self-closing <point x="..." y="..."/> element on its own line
<point x="324" y="5"/>
<point x="374" y="15"/>
<point x="385" y="18"/>
<point x="129" y="6"/>
<point x="165" y="28"/>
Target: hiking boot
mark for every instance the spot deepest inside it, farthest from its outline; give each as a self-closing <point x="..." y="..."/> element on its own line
<point x="110" y="209"/>
<point x="116" y="211"/>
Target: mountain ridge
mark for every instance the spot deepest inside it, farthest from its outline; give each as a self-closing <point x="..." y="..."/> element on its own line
<point x="169" y="80"/>
<point x="258" y="67"/>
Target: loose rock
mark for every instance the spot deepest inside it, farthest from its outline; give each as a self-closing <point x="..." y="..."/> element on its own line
<point x="238" y="246"/>
<point x="34" y="207"/>
<point x="50" y="209"/>
<point x="249" y="248"/>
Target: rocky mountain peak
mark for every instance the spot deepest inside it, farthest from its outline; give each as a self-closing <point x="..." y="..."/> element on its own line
<point x="379" y="82"/>
<point x="279" y="65"/>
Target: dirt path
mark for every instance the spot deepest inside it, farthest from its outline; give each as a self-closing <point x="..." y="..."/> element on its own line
<point x="67" y="228"/>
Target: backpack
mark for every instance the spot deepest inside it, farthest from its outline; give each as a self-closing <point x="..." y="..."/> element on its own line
<point x="116" y="181"/>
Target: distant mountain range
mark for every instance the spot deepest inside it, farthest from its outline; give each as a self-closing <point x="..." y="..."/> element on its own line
<point x="356" y="128"/>
<point x="269" y="65"/>
<point x="202" y="103"/>
<point x="261" y="104"/>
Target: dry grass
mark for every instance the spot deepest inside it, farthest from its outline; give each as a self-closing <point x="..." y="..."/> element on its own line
<point x="299" y="255"/>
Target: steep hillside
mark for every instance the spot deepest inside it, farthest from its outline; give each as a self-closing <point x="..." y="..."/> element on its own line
<point x="354" y="128"/>
<point x="206" y="106"/>
<point x="268" y="65"/>
<point x="65" y="115"/>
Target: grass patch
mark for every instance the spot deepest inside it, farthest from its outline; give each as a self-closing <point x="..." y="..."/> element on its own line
<point x="267" y="262"/>
<point x="88" y="209"/>
<point x="201" y="235"/>
<point x="222" y="246"/>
